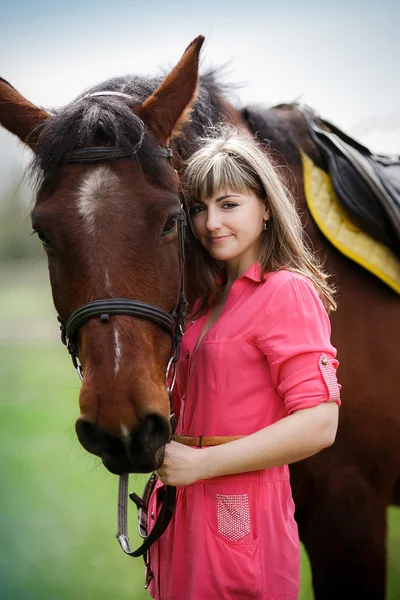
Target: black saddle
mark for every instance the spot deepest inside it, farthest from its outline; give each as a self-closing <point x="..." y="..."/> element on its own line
<point x="366" y="184"/>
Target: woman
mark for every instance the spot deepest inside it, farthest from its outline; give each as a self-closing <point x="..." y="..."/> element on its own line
<point x="256" y="362"/>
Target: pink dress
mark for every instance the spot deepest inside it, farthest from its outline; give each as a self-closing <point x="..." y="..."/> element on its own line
<point x="267" y="355"/>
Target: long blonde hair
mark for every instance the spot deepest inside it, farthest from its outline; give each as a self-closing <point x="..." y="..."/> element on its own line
<point x="229" y="160"/>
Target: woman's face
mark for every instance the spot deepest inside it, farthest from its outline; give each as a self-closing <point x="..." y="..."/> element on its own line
<point x="229" y="225"/>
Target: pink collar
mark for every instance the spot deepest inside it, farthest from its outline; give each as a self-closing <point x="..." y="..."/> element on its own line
<point x="253" y="273"/>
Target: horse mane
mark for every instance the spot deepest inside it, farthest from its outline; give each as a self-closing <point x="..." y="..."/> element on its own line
<point x="279" y="128"/>
<point x="110" y="121"/>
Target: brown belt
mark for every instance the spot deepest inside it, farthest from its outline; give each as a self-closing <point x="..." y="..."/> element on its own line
<point x="202" y="440"/>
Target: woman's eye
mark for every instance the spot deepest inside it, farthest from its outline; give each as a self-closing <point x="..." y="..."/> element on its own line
<point x="43" y="238"/>
<point x="229" y="205"/>
<point x="195" y="210"/>
<point x="170" y="225"/>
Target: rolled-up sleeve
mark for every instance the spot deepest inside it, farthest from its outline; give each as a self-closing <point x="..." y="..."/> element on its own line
<point x="294" y="335"/>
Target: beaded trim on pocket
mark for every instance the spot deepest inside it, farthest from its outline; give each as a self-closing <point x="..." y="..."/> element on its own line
<point x="233" y="515"/>
<point x="329" y="374"/>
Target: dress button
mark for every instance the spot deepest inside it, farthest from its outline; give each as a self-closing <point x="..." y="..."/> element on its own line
<point x="152" y="516"/>
<point x="187" y="354"/>
<point x="324" y="361"/>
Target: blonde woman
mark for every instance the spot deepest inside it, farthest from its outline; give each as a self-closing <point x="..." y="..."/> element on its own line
<point x="257" y="365"/>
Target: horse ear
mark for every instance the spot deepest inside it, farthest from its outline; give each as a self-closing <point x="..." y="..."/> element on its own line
<point x="165" y="111"/>
<point x="19" y="116"/>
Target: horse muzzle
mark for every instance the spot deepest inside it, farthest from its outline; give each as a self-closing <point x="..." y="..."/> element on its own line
<point x="138" y="451"/>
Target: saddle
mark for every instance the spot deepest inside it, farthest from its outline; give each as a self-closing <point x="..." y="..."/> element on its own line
<point x="367" y="185"/>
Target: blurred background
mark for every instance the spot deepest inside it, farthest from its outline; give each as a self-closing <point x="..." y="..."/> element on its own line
<point x="58" y="504"/>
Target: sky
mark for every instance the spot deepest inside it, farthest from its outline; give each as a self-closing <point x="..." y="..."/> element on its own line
<point x="342" y="58"/>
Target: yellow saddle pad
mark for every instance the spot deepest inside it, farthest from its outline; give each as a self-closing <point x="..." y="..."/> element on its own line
<point x="341" y="232"/>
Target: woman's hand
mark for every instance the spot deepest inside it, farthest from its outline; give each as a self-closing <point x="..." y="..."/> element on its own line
<point x="181" y="465"/>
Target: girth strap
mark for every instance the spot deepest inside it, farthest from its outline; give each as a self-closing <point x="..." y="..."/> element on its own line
<point x="201" y="441"/>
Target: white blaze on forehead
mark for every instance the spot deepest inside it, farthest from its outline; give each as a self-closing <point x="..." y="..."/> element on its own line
<point x="96" y="188"/>
<point x="118" y="352"/>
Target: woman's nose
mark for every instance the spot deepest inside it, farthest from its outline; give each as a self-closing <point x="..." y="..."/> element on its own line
<point x="213" y="221"/>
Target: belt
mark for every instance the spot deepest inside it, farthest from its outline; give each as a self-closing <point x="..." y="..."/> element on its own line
<point x="201" y="440"/>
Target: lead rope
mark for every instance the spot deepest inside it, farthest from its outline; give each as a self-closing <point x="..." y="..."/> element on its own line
<point x="122" y="535"/>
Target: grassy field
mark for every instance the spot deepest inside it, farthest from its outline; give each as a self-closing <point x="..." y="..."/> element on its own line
<point x="57" y="503"/>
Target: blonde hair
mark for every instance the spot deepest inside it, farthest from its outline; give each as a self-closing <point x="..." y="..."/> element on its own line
<point x="229" y="160"/>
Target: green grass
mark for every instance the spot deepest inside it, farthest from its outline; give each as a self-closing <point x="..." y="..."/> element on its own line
<point x="57" y="503"/>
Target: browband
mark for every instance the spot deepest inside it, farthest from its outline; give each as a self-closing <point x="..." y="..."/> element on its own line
<point x="103" y="153"/>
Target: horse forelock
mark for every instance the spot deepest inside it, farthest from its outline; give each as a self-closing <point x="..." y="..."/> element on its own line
<point x="105" y="121"/>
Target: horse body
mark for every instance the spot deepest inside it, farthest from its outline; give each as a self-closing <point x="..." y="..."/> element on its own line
<point x="105" y="226"/>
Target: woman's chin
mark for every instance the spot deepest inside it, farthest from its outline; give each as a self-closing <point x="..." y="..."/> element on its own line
<point x="222" y="253"/>
<point x="224" y="256"/>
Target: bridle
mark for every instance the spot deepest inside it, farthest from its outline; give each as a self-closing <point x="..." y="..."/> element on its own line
<point x="173" y="322"/>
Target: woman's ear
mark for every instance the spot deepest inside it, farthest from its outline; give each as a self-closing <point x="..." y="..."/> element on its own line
<point x="267" y="214"/>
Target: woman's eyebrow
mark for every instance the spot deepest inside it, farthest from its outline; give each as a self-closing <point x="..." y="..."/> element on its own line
<point x="226" y="196"/>
<point x="219" y="199"/>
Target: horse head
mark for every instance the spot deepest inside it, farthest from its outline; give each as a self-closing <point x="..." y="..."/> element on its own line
<point x="107" y="213"/>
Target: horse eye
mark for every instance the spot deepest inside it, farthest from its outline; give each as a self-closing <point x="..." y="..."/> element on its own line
<point x="170" y="225"/>
<point x="43" y="238"/>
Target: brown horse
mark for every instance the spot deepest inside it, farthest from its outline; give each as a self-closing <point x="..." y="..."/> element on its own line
<point x="109" y="230"/>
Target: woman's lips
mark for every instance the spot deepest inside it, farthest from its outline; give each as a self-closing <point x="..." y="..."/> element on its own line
<point x="219" y="239"/>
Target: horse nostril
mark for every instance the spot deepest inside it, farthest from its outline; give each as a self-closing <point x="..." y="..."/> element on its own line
<point x="153" y="432"/>
<point x="89" y="436"/>
<point x="158" y="429"/>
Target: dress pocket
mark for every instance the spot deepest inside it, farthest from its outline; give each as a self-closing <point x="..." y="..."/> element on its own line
<point x="231" y="512"/>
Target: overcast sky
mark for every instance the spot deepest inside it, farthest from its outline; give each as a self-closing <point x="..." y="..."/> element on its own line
<point x="340" y="57"/>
